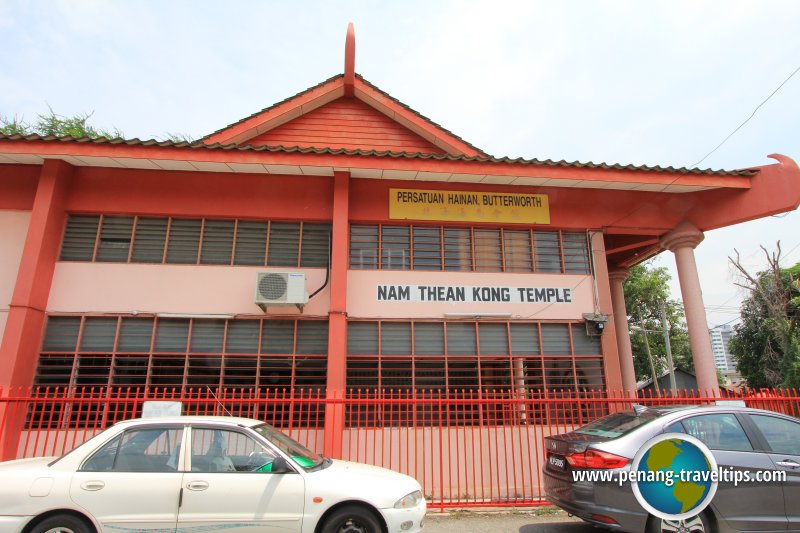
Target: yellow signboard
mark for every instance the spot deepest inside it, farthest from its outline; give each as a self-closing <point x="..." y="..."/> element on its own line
<point x="468" y="206"/>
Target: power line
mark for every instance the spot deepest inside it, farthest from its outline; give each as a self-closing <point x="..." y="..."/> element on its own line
<point x="748" y="118"/>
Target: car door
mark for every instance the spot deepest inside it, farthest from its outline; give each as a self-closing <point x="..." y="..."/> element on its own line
<point x="748" y="506"/>
<point x="782" y="436"/>
<point x="229" y="486"/>
<point x="133" y="482"/>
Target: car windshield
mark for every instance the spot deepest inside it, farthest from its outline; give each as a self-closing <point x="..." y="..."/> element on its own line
<point x="299" y="453"/>
<point x="618" y="424"/>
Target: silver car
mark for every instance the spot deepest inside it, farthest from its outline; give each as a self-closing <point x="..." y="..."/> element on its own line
<point x="747" y="440"/>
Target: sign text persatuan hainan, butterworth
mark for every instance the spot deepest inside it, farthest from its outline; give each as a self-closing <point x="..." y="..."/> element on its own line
<point x="468" y="206"/>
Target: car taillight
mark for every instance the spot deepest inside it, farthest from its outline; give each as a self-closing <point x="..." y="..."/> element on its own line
<point x="596" y="459"/>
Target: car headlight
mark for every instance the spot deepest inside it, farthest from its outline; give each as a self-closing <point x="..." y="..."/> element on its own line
<point x="409" y="500"/>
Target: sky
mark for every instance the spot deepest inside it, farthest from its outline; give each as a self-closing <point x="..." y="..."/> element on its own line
<point x="641" y="82"/>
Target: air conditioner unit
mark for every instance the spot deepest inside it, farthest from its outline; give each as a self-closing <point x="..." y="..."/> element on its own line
<point x="281" y="288"/>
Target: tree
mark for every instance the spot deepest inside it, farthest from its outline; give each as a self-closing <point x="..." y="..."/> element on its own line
<point x="58" y="125"/>
<point x="75" y="126"/>
<point x="766" y="345"/>
<point x="646" y="290"/>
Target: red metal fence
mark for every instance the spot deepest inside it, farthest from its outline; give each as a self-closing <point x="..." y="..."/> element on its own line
<point x="467" y="448"/>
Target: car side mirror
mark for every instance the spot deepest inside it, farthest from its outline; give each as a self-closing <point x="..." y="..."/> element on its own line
<point x="281" y="466"/>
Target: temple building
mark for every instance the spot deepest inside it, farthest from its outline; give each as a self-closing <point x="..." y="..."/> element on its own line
<point x="340" y="241"/>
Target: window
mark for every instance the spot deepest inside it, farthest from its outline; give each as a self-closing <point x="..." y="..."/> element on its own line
<point x="718" y="431"/>
<point x="139" y="450"/>
<point x="783" y="436"/>
<point x="135" y="239"/>
<point x="467" y="249"/>
<point x="221" y="450"/>
<point x="183" y="353"/>
<point x="453" y="356"/>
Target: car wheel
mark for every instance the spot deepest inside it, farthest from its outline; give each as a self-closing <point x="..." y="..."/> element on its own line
<point x="61" y="523"/>
<point x="696" y="524"/>
<point x="352" y="519"/>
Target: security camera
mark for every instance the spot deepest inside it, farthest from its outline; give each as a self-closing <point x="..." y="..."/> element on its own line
<point x="595" y="323"/>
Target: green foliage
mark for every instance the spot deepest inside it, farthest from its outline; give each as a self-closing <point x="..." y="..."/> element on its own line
<point x="646" y="290"/>
<point x="58" y="125"/>
<point x="766" y="345"/>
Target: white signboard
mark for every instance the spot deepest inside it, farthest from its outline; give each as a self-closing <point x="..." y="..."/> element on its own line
<point x="155" y="409"/>
<point x="472" y="294"/>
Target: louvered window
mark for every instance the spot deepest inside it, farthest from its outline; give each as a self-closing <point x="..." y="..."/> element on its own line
<point x="217" y="242"/>
<point x="251" y="243"/>
<point x="576" y="253"/>
<point x="135" y="334"/>
<point x="428" y="338"/>
<point x="61" y="334"/>
<point x="172" y="335"/>
<point x="148" y="244"/>
<point x="312" y="337"/>
<point x="396" y="338"/>
<point x="362" y="338"/>
<point x="517" y="250"/>
<point x="457" y="249"/>
<point x="548" y="254"/>
<point x="364" y="247"/>
<point x="115" y="239"/>
<point x="466" y="359"/>
<point x="207" y="336"/>
<point x="467" y="249"/>
<point x="278" y="337"/>
<point x="243" y="336"/>
<point x="80" y="238"/>
<point x="98" y="334"/>
<point x="584" y="344"/>
<point x="102" y="351"/>
<point x="524" y="339"/>
<point x="461" y="339"/>
<point x="315" y="250"/>
<point x="184" y="241"/>
<point x="395" y="248"/>
<point x="427" y="248"/>
<point x="555" y="339"/>
<point x="196" y="241"/>
<point x="493" y="338"/>
<point x="284" y="244"/>
<point x="488" y="252"/>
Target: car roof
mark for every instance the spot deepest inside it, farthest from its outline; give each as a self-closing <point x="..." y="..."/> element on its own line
<point x="662" y="410"/>
<point x="194" y="419"/>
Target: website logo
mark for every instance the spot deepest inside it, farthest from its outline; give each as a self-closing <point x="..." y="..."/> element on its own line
<point x="674" y="476"/>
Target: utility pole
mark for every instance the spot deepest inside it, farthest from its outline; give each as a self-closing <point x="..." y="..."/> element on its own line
<point x="650" y="358"/>
<point x="670" y="364"/>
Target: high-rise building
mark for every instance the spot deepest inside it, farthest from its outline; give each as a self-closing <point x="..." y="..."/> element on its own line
<point x="720" y="339"/>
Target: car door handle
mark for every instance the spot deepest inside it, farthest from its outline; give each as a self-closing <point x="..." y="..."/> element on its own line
<point x="197" y="485"/>
<point x="787" y="463"/>
<point x="92" y="485"/>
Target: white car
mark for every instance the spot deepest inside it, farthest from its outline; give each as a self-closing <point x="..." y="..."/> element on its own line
<point x="198" y="474"/>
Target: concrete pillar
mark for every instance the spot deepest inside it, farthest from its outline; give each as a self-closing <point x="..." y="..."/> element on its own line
<point x="617" y="280"/>
<point x="19" y="350"/>
<point x="337" y="318"/>
<point x="682" y="241"/>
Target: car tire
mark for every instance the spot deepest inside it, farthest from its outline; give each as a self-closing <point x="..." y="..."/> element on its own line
<point x="698" y="524"/>
<point x="352" y="519"/>
<point x="62" y="523"/>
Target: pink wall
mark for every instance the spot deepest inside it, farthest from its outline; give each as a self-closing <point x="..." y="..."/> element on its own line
<point x="362" y="300"/>
<point x="185" y="289"/>
<point x="13" y="229"/>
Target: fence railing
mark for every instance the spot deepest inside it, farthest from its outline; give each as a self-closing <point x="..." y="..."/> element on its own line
<point x="468" y="448"/>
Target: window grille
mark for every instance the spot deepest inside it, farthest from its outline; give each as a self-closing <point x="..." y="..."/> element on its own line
<point x="135" y="239"/>
<point x="103" y="351"/>
<point x="468" y="249"/>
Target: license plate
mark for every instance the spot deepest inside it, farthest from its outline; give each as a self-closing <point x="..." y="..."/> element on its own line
<point x="557" y="462"/>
